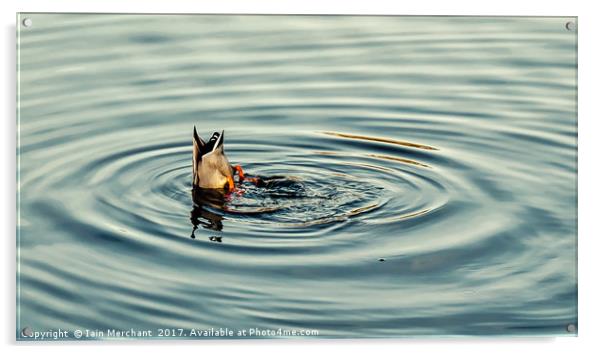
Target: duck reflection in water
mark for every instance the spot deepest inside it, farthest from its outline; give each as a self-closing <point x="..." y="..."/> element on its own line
<point x="210" y="205"/>
<point x="205" y="202"/>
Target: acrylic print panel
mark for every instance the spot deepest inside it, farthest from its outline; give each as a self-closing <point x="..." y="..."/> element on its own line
<point x="350" y="176"/>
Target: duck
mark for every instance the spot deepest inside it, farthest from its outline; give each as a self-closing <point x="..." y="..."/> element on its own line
<point x="210" y="166"/>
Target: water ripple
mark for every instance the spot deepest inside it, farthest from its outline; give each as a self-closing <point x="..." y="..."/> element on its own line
<point x="419" y="174"/>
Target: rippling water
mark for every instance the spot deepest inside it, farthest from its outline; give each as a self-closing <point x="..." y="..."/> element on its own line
<point x="422" y="174"/>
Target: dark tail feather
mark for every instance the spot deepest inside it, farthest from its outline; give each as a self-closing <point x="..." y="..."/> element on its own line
<point x="198" y="140"/>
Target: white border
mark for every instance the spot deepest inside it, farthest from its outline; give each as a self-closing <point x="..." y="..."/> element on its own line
<point x="589" y="166"/>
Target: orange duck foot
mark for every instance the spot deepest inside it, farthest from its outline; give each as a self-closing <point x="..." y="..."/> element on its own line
<point x="242" y="177"/>
<point x="241" y="174"/>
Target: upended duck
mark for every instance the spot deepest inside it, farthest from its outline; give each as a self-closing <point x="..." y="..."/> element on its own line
<point x="210" y="166"/>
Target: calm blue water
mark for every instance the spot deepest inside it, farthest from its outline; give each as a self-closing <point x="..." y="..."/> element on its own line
<point x="428" y="172"/>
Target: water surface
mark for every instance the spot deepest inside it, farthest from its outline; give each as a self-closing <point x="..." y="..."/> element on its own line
<point x="427" y="174"/>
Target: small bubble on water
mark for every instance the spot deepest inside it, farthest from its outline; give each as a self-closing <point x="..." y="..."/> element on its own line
<point x="27" y="22"/>
<point x="571" y="328"/>
<point x="215" y="238"/>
